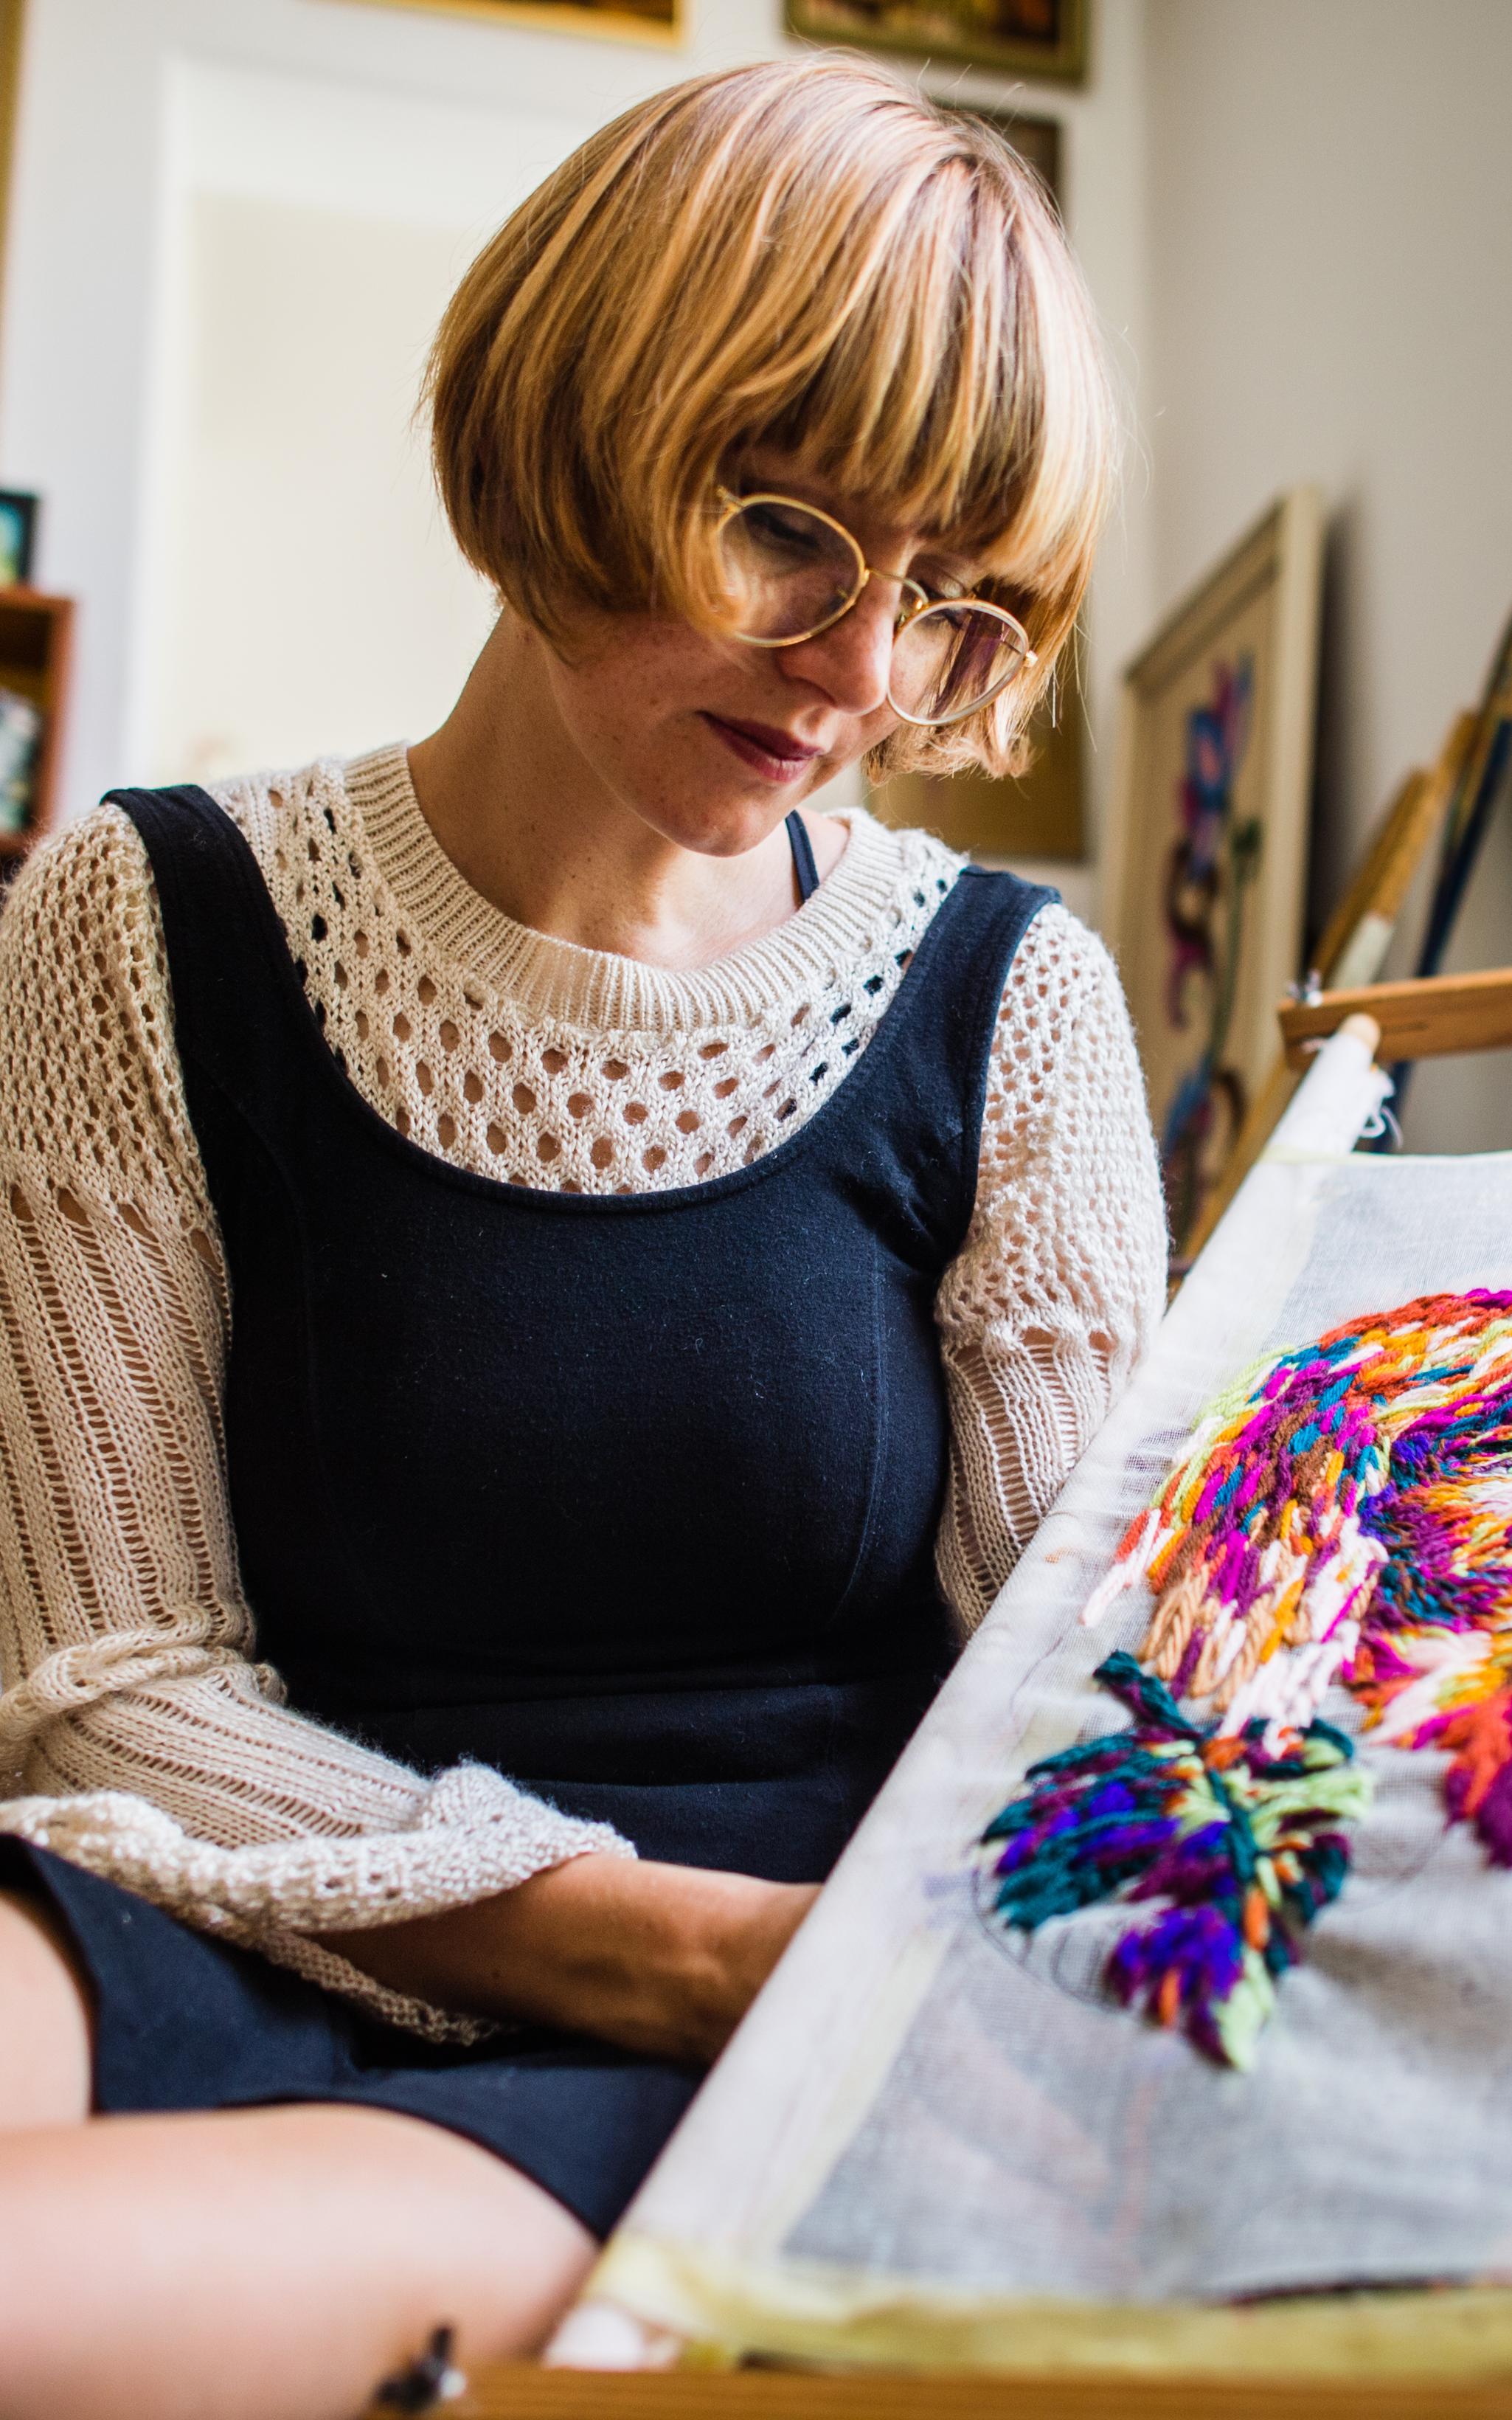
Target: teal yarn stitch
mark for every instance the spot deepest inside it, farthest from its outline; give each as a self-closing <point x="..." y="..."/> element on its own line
<point x="1226" y="1849"/>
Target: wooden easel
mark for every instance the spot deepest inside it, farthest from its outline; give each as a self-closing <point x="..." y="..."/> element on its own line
<point x="1427" y="1018"/>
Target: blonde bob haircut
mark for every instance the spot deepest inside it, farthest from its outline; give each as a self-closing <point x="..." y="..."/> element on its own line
<point x="805" y="256"/>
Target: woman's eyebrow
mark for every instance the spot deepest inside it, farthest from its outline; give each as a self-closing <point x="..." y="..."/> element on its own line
<point x="949" y="561"/>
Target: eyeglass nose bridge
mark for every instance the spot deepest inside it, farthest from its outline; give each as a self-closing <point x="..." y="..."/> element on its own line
<point x="912" y="599"/>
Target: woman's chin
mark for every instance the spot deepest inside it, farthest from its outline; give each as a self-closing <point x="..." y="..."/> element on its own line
<point x="731" y="830"/>
<point x="722" y="818"/>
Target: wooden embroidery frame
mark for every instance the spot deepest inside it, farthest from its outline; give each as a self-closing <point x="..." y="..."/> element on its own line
<point x="1420" y="1018"/>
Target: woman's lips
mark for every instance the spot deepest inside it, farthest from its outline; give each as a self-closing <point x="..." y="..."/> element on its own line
<point x="767" y="749"/>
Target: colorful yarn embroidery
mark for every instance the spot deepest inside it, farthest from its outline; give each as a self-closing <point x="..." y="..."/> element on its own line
<point x="1344" y="1514"/>
<point x="1240" y="1842"/>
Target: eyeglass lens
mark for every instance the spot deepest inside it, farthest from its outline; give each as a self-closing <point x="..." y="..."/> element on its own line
<point x="789" y="572"/>
<point x="949" y="660"/>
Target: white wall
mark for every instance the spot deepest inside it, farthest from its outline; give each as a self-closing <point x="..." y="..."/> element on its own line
<point x="311" y="252"/>
<point x="89" y="275"/>
<point x="134" y="112"/>
<point x="1329" y="250"/>
<point x="279" y="668"/>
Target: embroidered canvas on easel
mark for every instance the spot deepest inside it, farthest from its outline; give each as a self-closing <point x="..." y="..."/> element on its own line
<point x="1342" y="1516"/>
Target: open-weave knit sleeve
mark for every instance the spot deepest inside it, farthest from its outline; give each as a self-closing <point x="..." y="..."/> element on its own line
<point x="138" y="1737"/>
<point x="1056" y="1293"/>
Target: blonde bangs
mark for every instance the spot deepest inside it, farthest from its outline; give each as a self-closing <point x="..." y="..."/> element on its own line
<point x="805" y="256"/>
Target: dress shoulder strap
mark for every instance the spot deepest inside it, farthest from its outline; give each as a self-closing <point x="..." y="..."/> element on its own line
<point x="803" y="856"/>
<point x="237" y="995"/>
<point x="910" y="1124"/>
<point x="991" y="912"/>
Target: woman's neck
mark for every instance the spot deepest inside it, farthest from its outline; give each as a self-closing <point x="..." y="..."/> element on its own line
<point x="532" y="827"/>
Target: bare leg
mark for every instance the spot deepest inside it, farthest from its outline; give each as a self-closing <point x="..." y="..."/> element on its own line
<point x="268" y="2264"/>
<point x="260" y="2264"/>
<point x="44" y="2022"/>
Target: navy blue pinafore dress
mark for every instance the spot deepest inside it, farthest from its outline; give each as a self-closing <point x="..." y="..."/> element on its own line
<point x="633" y="1496"/>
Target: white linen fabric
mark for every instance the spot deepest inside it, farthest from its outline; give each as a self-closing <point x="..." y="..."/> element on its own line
<point x="139" y="1736"/>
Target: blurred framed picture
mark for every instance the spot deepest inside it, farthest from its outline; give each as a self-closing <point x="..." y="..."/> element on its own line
<point x="18" y="537"/>
<point x="995" y="817"/>
<point x="1207" y="862"/>
<point x="646" y="21"/>
<point x="1040" y="814"/>
<point x="1020" y="38"/>
<point x="22" y="727"/>
<point x="1037" y="140"/>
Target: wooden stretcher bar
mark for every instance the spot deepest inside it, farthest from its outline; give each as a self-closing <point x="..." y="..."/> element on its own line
<point x="520" y="2392"/>
<point x="1427" y="1018"/>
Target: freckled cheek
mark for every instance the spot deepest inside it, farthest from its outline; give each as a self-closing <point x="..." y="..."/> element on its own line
<point x="619" y="708"/>
<point x="662" y="676"/>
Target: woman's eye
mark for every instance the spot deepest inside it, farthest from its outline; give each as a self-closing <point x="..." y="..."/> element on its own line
<point x="940" y="587"/>
<point x="784" y="531"/>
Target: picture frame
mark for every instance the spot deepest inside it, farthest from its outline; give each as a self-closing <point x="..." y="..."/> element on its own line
<point x="1040" y="814"/>
<point x="1043" y="39"/>
<point x="1037" y="814"/>
<point x="1037" y="141"/>
<point x="35" y="657"/>
<point x="1206" y="873"/>
<point x="12" y="33"/>
<point x="1351" y="949"/>
<point x="18" y="536"/>
<point x="661" y="21"/>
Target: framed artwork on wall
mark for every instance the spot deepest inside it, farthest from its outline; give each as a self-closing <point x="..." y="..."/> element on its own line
<point x="635" y="21"/>
<point x="13" y="28"/>
<point x="1036" y="140"/>
<point x="1018" y="38"/>
<point x="1205" y="882"/>
<point x="1040" y="814"/>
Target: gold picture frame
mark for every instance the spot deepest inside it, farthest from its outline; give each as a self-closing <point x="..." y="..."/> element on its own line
<point x="13" y="28"/>
<point x="1044" y="39"/>
<point x="1040" y="814"/>
<point x="1351" y="948"/>
<point x="1206" y="875"/>
<point x="1037" y="814"/>
<point x="661" y="22"/>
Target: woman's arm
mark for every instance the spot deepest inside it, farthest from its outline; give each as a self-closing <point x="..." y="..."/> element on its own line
<point x="664" y="1960"/>
<point x="1056" y="1292"/>
<point x="139" y="1736"/>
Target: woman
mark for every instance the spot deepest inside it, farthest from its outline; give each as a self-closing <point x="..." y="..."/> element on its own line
<point x="590" y="1268"/>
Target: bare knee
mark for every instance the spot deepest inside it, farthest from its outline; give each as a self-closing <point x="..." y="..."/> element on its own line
<point x="324" y="2246"/>
<point x="44" y="2021"/>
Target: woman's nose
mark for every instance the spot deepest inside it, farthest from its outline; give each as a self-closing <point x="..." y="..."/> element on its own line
<point x="851" y="660"/>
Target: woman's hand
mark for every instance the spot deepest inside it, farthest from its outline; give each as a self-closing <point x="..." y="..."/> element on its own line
<point x="664" y="1960"/>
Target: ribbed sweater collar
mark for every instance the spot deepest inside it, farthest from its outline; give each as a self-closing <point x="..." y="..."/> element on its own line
<point x="597" y="989"/>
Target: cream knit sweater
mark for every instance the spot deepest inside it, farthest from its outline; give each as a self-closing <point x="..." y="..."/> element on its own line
<point x="138" y="1735"/>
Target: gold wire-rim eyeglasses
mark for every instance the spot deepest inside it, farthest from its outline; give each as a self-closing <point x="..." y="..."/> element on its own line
<point x="914" y="602"/>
